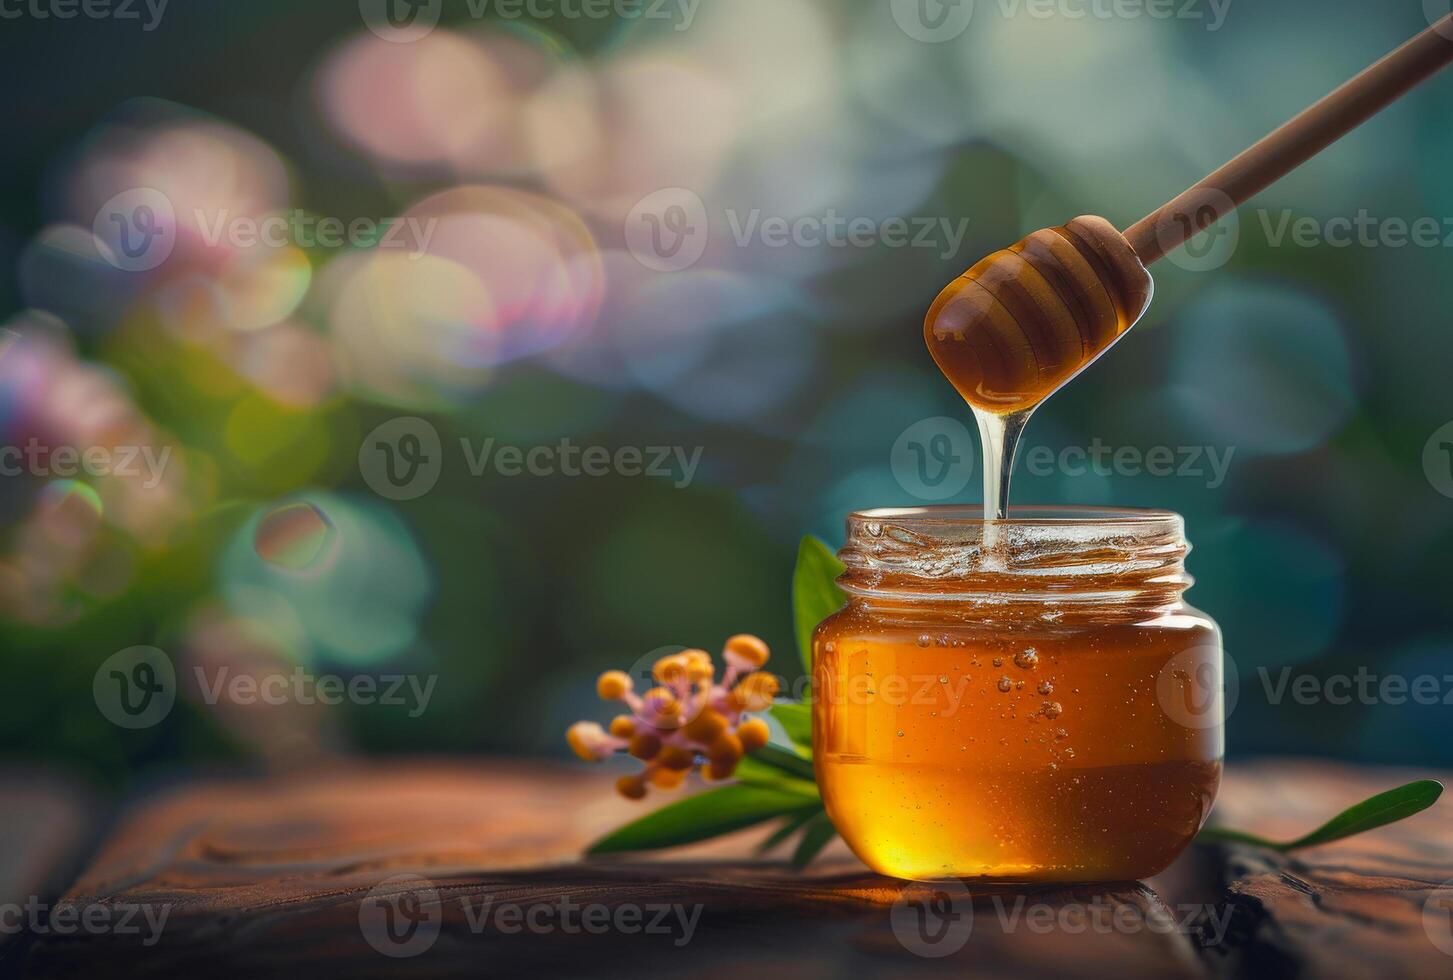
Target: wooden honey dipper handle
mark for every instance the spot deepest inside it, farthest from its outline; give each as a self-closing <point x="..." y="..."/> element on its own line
<point x="1283" y="150"/>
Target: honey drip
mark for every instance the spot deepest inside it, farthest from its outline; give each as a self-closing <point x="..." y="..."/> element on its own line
<point x="1021" y="322"/>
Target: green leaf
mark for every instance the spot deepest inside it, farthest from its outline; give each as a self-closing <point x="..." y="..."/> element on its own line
<point x="796" y="720"/>
<point x="1378" y="811"/>
<point x="817" y="834"/>
<point x="754" y="772"/>
<point x="701" y="817"/>
<point x="789" y="827"/>
<point x="788" y="762"/>
<point x="815" y="593"/>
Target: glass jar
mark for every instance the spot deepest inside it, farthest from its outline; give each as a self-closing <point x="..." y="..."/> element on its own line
<point x="1028" y="700"/>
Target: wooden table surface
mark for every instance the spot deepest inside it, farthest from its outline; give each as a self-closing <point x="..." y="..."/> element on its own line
<point x="431" y="870"/>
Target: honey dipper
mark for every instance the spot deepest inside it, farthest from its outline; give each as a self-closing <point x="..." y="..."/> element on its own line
<point x="1021" y="322"/>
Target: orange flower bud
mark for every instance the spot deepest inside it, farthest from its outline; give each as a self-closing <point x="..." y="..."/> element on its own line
<point x="726" y="748"/>
<point x="755" y="692"/>
<point x="631" y="787"/>
<point x="717" y="771"/>
<point x="699" y="666"/>
<point x="676" y="757"/>
<point x="753" y="733"/>
<point x="613" y="685"/>
<point x="661" y="702"/>
<point x="669" y="670"/>
<point x="667" y="778"/>
<point x="623" y="726"/>
<point x="748" y="652"/>
<point x="645" y="746"/>
<point x="589" y="741"/>
<point x="705" y="727"/>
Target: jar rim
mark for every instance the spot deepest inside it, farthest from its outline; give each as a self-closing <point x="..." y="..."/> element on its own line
<point x="942" y="552"/>
<point x="1054" y="515"/>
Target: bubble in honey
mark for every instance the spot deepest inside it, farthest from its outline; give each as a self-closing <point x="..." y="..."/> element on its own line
<point x="295" y="537"/>
<point x="998" y="661"/>
<point x="924" y="640"/>
<point x="1051" y="709"/>
<point x="1027" y="659"/>
<point x="1005" y="684"/>
<point x="1045" y="687"/>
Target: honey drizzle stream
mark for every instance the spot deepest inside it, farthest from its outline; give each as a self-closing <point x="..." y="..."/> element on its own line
<point x="999" y="438"/>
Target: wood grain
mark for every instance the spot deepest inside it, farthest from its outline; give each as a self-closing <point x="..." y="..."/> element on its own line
<point x="294" y="876"/>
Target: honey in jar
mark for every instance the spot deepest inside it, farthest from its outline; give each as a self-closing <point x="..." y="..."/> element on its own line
<point x="1034" y="705"/>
